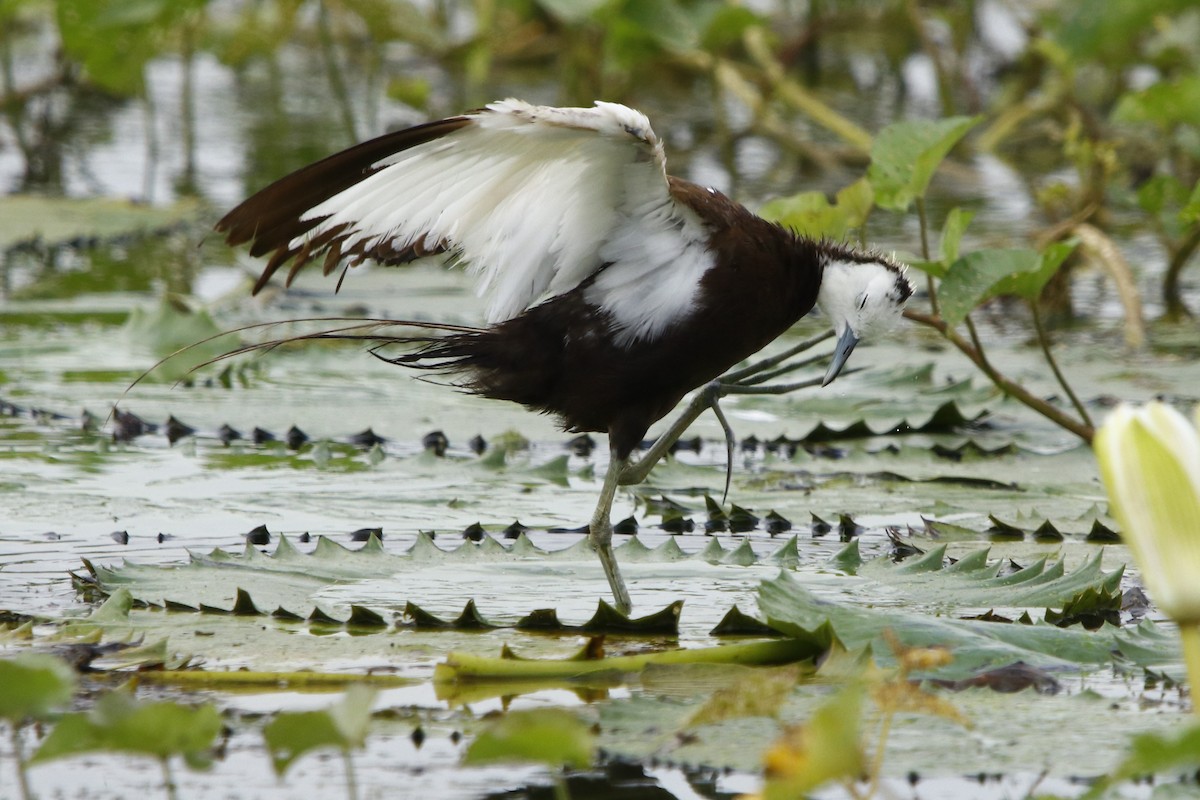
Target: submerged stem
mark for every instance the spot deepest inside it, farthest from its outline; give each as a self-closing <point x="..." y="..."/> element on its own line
<point x="22" y="775"/>
<point x="1044" y="341"/>
<point x="351" y="778"/>
<point x="885" y="728"/>
<point x="169" y="779"/>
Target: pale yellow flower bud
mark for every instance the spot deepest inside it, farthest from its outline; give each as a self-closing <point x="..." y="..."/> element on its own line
<point x="1150" y="461"/>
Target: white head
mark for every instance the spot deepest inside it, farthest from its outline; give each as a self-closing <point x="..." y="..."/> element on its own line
<point x="862" y="294"/>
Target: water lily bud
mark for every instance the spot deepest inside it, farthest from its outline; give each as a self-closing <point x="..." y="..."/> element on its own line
<point x="1150" y="462"/>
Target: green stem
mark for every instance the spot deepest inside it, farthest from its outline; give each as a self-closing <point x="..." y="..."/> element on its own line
<point x="880" y="748"/>
<point x="169" y="779"/>
<point x="984" y="364"/>
<point x="1004" y="384"/>
<point x="22" y="775"/>
<point x="328" y="50"/>
<point x="560" y="788"/>
<point x="1189" y="633"/>
<point x="1062" y="379"/>
<point x="351" y="778"/>
<point x="933" y="298"/>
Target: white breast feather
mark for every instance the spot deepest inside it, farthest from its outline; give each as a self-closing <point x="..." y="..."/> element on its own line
<point x="534" y="200"/>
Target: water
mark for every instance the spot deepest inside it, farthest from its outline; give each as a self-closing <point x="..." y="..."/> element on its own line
<point x="64" y="493"/>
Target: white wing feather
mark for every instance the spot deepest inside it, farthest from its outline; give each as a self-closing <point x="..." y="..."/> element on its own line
<point x="534" y="200"/>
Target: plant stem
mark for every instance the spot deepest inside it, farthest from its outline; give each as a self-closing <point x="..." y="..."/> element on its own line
<point x="1189" y="634"/>
<point x="560" y="788"/>
<point x="978" y="344"/>
<point x="169" y="779"/>
<point x="933" y="298"/>
<point x="22" y="775"/>
<point x="1009" y="387"/>
<point x="1062" y="379"/>
<point x="877" y="762"/>
<point x="328" y="50"/>
<point x="1172" y="297"/>
<point x="351" y="779"/>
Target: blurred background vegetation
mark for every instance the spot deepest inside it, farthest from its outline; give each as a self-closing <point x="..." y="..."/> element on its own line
<point x="1090" y="111"/>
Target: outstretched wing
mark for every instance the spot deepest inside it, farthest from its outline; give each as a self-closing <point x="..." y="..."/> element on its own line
<point x="532" y="199"/>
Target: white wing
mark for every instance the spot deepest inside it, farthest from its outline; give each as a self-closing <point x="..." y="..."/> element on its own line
<point x="532" y="199"/>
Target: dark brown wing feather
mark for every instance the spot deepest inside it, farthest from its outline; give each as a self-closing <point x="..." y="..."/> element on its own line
<point x="270" y="219"/>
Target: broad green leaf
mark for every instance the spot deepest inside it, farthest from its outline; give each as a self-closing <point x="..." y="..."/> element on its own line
<point x="114" y="39"/>
<point x="551" y="736"/>
<point x="727" y="25"/>
<point x="983" y="274"/>
<point x="975" y="645"/>
<point x="1191" y="212"/>
<point x="291" y="734"/>
<point x="573" y="12"/>
<point x="1156" y="753"/>
<point x="170" y="326"/>
<point x="120" y="723"/>
<point x="344" y="727"/>
<point x="812" y="215"/>
<point x="905" y="155"/>
<point x="56" y="219"/>
<point x="826" y="748"/>
<point x="33" y="685"/>
<point x="1030" y="284"/>
<point x="973" y="580"/>
<point x="1165" y="104"/>
<point x="760" y="693"/>
<point x="952" y="232"/>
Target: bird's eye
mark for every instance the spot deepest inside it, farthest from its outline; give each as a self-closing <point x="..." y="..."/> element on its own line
<point x="862" y="301"/>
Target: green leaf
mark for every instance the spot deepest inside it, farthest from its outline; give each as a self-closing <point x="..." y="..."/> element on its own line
<point x="114" y="39"/>
<point x="573" y="12"/>
<point x="760" y="694"/>
<point x="34" y="685"/>
<point x="727" y="25"/>
<point x="293" y="733"/>
<point x="952" y="232"/>
<point x="983" y="274"/>
<point x="58" y="219"/>
<point x="1166" y="104"/>
<point x="976" y="645"/>
<point x="1191" y="211"/>
<point x="826" y="748"/>
<point x="342" y="727"/>
<point x="811" y="214"/>
<point x="122" y="724"/>
<point x="1153" y="753"/>
<point x="1030" y="284"/>
<point x="905" y="155"/>
<point x="549" y="736"/>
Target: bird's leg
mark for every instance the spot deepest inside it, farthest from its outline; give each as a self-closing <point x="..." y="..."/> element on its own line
<point x="639" y="470"/>
<point x="600" y="532"/>
<point x="741" y="381"/>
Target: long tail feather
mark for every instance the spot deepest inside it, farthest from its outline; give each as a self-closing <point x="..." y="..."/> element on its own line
<point x="362" y="329"/>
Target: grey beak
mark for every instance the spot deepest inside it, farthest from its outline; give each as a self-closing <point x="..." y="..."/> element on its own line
<point x="845" y="347"/>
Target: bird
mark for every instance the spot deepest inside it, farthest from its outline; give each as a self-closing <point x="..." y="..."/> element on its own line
<point x="612" y="289"/>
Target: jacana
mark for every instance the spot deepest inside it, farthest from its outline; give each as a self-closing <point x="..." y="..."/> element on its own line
<point x="612" y="288"/>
